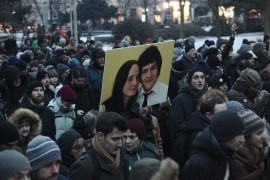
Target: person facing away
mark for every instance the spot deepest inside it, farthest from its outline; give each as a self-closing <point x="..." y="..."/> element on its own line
<point x="125" y="89"/>
<point x="44" y="156"/>
<point x="212" y="155"/>
<point x="153" y="169"/>
<point x="64" y="111"/>
<point x="104" y="161"/>
<point x="211" y="102"/>
<point x="152" y="90"/>
<point x="246" y="91"/>
<point x="9" y="136"/>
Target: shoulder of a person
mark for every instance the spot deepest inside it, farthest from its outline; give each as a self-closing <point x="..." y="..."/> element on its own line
<point x="85" y="159"/>
<point x="62" y="177"/>
<point x="149" y="146"/>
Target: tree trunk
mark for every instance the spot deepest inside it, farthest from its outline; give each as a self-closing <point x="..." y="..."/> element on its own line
<point x="182" y="21"/>
<point x="145" y="10"/>
<point x="216" y="14"/>
<point x="38" y="9"/>
<point x="214" y="5"/>
<point x="267" y="18"/>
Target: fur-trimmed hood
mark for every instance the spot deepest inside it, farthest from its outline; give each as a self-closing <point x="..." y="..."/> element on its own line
<point x="32" y="117"/>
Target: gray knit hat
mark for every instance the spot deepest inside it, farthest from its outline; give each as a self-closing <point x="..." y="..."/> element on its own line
<point x="235" y="106"/>
<point x="251" y="121"/>
<point x="12" y="162"/>
<point x="41" y="151"/>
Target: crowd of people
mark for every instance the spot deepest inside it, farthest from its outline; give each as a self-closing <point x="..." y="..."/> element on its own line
<point x="209" y="122"/>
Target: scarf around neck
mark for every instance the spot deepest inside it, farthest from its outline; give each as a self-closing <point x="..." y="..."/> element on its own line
<point x="112" y="161"/>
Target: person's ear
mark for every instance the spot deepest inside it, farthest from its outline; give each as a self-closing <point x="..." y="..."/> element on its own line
<point x="208" y="115"/>
<point x="100" y="136"/>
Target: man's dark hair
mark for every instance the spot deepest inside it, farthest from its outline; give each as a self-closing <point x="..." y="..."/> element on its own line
<point x="78" y="72"/>
<point x="107" y="121"/>
<point x="208" y="104"/>
<point x="150" y="55"/>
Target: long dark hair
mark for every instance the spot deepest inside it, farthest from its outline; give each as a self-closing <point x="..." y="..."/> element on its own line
<point x="116" y="101"/>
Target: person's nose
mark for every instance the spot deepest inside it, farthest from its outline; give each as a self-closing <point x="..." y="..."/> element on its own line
<point x="127" y="140"/>
<point x="134" y="82"/>
<point x="119" y="143"/>
<point x="242" y="139"/>
<point x="149" y="74"/>
<point x="54" y="168"/>
<point x="83" y="150"/>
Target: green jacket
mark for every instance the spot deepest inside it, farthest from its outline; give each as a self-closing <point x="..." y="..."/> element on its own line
<point x="145" y="150"/>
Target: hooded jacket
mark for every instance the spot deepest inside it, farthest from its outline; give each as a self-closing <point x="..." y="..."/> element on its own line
<point x="183" y="105"/>
<point x="64" y="118"/>
<point x="209" y="160"/>
<point x="184" y="143"/>
<point x="33" y="120"/>
<point x="13" y="93"/>
<point x="245" y="90"/>
<point x="94" y="79"/>
<point x="65" y="143"/>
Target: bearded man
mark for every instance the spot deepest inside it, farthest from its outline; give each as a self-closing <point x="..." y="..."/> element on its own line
<point x="34" y="100"/>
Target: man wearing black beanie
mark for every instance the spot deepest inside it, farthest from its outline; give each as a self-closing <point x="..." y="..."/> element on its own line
<point x="34" y="100"/>
<point x="214" y="148"/>
<point x="185" y="103"/>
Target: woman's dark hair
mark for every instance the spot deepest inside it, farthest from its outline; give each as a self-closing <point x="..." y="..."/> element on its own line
<point x="115" y="102"/>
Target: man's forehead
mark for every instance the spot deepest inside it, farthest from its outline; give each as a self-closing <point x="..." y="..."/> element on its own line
<point x="115" y="133"/>
<point x="149" y="65"/>
<point x="198" y="73"/>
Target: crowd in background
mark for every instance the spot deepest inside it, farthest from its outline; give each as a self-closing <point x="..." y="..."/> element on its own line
<point x="213" y="125"/>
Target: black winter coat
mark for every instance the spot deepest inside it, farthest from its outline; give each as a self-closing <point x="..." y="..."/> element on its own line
<point x="14" y="94"/>
<point x="46" y="115"/>
<point x="184" y="143"/>
<point x="209" y="159"/>
<point x="84" y="97"/>
<point x="183" y="105"/>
